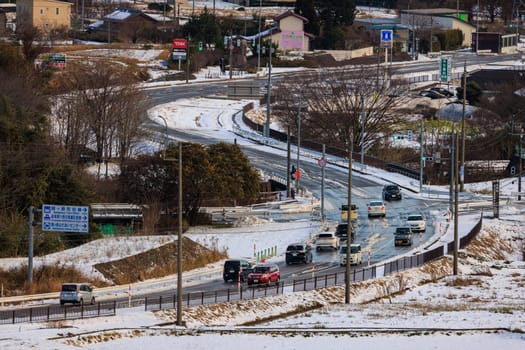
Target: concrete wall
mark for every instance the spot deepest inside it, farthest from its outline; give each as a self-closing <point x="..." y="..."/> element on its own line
<point x="340" y="55"/>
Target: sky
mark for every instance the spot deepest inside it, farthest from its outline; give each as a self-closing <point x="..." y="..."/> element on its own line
<point x="488" y="293"/>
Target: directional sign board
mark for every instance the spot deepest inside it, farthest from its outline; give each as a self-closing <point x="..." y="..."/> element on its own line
<point x="444" y="69"/>
<point x="65" y="218"/>
<point x="386" y="38"/>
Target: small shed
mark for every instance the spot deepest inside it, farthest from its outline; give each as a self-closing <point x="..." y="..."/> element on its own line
<point x="116" y="218"/>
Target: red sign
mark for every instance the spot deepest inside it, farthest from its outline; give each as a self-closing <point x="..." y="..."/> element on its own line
<point x="180" y="44"/>
<point x="298" y="174"/>
<point x="321" y="162"/>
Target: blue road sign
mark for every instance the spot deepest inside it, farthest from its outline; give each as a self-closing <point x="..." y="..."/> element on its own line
<point x="386" y="38"/>
<point x="65" y="218"/>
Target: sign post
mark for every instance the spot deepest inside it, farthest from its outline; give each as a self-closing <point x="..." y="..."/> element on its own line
<point x="386" y="41"/>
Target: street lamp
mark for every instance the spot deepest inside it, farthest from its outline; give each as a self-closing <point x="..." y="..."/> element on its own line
<point x="165" y="145"/>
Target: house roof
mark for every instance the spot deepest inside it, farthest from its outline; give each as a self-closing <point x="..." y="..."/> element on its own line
<point x="289" y="13"/>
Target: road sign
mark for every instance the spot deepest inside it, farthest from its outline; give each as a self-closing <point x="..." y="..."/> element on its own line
<point x="65" y="218"/>
<point x="180" y="44"/>
<point x="410" y="135"/>
<point x="321" y="162"/>
<point x="386" y="38"/>
<point x="444" y="69"/>
<point x="179" y="54"/>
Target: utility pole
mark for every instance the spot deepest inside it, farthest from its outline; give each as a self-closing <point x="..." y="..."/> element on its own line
<point x="298" y="179"/>
<point x="452" y="168"/>
<point x="363" y="122"/>
<point x="322" y="185"/>
<point x="520" y="154"/>
<point x="230" y="47"/>
<point x="269" y="89"/>
<point x="462" y="169"/>
<point x="421" y="162"/>
<point x="348" y="218"/>
<point x="288" y="180"/>
<point x="179" y="244"/>
<point x="31" y="211"/>
<point x="259" y="39"/>
<point x="188" y="60"/>
<point x="456" y="206"/>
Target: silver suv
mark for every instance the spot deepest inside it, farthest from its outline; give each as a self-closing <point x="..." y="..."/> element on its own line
<point x="76" y="293"/>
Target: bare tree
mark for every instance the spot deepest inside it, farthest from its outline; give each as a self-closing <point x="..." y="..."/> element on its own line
<point x="105" y="109"/>
<point x="339" y="106"/>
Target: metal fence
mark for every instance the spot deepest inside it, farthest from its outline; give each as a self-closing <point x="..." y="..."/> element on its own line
<point x="57" y="313"/>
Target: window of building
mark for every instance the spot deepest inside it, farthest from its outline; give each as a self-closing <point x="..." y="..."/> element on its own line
<point x="57" y="11"/>
<point x="41" y="11"/>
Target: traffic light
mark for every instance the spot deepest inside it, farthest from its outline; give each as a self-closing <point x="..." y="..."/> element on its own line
<point x="292" y="173"/>
<point x="200" y="45"/>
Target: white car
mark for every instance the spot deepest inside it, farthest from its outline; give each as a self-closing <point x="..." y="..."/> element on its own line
<point x="376" y="208"/>
<point x="356" y="254"/>
<point x="327" y="240"/>
<point x="417" y="223"/>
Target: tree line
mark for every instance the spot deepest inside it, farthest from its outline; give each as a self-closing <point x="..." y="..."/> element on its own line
<point x="54" y="124"/>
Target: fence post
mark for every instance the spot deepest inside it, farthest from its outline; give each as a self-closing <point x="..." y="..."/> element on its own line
<point x="31" y="315"/>
<point x="160" y="302"/>
<point x="146" y="303"/>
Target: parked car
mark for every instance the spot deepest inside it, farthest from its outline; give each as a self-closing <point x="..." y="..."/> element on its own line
<point x="376" y="208"/>
<point x="356" y="254"/>
<point x="76" y="293"/>
<point x="431" y="94"/>
<point x="327" y="240"/>
<point x="230" y="271"/>
<point x="403" y="236"/>
<point x="341" y="231"/>
<point x="442" y="91"/>
<point x="298" y="253"/>
<point x="264" y="274"/>
<point x="417" y="223"/>
<point x="392" y="192"/>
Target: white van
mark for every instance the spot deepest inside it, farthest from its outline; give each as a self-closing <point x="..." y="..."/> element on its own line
<point x="356" y="255"/>
<point x="76" y="293"/>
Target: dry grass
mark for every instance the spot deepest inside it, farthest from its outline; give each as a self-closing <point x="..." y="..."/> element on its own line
<point x="463" y="281"/>
<point x="45" y="279"/>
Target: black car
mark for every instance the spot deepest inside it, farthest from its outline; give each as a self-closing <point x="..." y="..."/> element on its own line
<point x="392" y="192"/>
<point x="231" y="269"/>
<point x="431" y="94"/>
<point x="442" y="91"/>
<point x="298" y="253"/>
<point x="341" y="231"/>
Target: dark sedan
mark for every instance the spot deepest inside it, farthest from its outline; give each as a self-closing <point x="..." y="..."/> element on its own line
<point x="392" y="192"/>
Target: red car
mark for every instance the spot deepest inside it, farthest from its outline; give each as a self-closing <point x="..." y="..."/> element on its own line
<point x="264" y="274"/>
